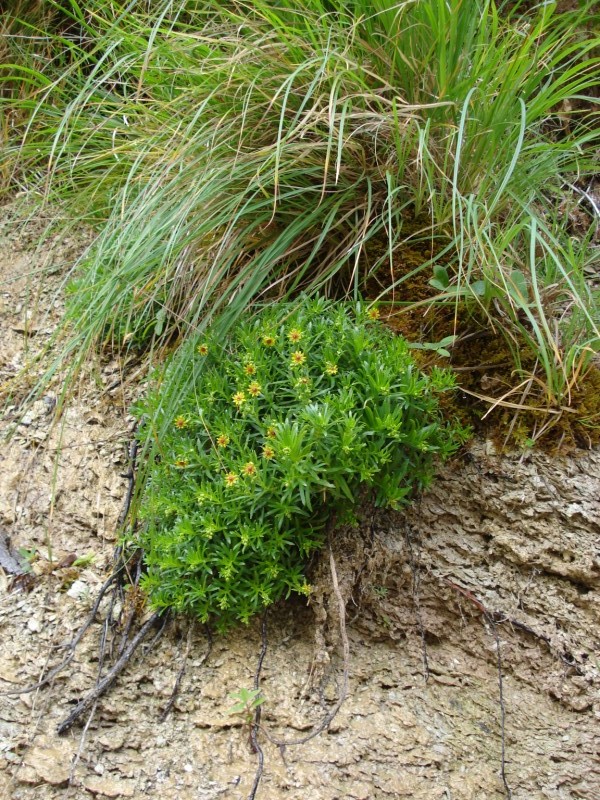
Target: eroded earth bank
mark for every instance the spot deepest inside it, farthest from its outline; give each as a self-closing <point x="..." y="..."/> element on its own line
<point x="502" y="553"/>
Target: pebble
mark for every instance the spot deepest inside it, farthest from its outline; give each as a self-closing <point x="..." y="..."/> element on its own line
<point x="109" y="787"/>
<point x="34" y="624"/>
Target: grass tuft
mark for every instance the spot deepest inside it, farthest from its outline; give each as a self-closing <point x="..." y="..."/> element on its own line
<point x="236" y="153"/>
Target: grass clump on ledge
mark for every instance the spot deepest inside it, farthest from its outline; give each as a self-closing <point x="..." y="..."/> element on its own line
<point x="298" y="415"/>
<point x="229" y="152"/>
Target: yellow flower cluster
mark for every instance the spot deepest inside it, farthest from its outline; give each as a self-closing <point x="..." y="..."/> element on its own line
<point x="254" y="389"/>
<point x="239" y="398"/>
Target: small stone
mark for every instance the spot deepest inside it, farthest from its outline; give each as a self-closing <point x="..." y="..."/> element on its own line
<point x="113" y="740"/>
<point x="51" y="764"/>
<point x="109" y="787"/>
<point x="77" y="590"/>
<point x="34" y="624"/>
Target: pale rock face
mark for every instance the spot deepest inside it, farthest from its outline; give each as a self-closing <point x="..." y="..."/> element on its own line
<point x="515" y="536"/>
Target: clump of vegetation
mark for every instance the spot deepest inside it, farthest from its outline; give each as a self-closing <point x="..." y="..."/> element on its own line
<point x="225" y="151"/>
<point x="295" y="417"/>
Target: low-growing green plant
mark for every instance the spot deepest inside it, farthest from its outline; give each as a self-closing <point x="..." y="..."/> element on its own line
<point x="297" y="415"/>
<point x="246" y="701"/>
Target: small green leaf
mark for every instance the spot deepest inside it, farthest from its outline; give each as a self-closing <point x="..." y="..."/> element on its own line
<point x="517" y="287"/>
<point x="478" y="288"/>
<point x="85" y="561"/>
<point x="160" y="322"/>
<point x="441" y="279"/>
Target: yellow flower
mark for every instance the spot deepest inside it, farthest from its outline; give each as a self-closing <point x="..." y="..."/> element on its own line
<point x="231" y="479"/>
<point x="203" y="349"/>
<point x="305" y="589"/>
<point x="239" y="398"/>
<point x="249" y="469"/>
<point x="298" y="358"/>
<point x="250" y="369"/>
<point x="271" y="432"/>
<point x="223" y="440"/>
<point x="295" y="335"/>
<point x="373" y="313"/>
<point x="181" y="463"/>
<point x="180" y="423"/>
<point x="268" y="452"/>
<point x="268" y="341"/>
<point x="330" y="368"/>
<point x="254" y="389"/>
<point x="303" y="381"/>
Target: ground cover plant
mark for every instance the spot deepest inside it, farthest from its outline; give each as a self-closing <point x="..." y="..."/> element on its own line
<point x="304" y="412"/>
<point x="226" y="152"/>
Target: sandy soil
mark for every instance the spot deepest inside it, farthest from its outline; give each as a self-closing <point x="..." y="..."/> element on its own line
<point x="501" y="555"/>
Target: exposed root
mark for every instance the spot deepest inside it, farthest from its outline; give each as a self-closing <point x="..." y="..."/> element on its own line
<point x="181" y="673"/>
<point x="502" y="709"/>
<point x="353" y="562"/>
<point x="72" y="645"/>
<point x="106" y="682"/>
<point x="101" y="657"/>
<point x="490" y="619"/>
<point x="130" y="475"/>
<point x="416" y="574"/>
<point x="326" y="722"/>
<point x="254" y="728"/>
<point x="81" y="745"/>
<point x="498" y="617"/>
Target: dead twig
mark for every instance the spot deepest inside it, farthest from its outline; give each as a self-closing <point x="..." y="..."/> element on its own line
<point x="109" y="678"/>
<point x="257" y="713"/>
